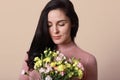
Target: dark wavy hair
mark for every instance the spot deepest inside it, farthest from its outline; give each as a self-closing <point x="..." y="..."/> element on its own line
<point x="42" y="39"/>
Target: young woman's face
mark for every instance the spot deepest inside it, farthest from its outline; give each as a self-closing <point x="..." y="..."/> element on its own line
<point x="59" y="26"/>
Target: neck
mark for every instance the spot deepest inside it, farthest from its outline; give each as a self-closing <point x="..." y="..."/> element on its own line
<point x="65" y="47"/>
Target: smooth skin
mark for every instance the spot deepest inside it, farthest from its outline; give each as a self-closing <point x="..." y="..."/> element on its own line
<point x="59" y="29"/>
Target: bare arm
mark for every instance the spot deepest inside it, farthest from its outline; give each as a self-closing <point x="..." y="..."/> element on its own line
<point x="24" y="69"/>
<point x="32" y="75"/>
<point x="91" y="68"/>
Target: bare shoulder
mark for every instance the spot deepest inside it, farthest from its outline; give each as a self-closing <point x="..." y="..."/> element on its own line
<point x="90" y="64"/>
<point x="91" y="59"/>
<point x="88" y="58"/>
<point x="91" y="68"/>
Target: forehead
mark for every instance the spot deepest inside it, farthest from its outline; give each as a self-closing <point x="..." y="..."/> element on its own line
<point x="56" y="15"/>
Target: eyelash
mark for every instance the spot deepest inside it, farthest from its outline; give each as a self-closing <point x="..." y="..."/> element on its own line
<point x="62" y="24"/>
<point x="59" y="24"/>
<point x="49" y="25"/>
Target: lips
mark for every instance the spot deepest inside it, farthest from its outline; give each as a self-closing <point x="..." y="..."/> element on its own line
<point x="56" y="37"/>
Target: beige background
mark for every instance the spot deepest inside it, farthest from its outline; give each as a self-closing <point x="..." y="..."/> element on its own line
<point x="99" y="34"/>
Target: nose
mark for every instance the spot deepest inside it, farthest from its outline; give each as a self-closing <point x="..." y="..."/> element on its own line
<point x="55" y="29"/>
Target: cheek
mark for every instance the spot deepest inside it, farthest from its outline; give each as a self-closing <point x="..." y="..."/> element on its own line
<point x="66" y="32"/>
<point x="50" y="31"/>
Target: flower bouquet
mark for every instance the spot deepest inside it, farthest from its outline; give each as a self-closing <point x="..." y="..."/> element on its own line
<point x="53" y="65"/>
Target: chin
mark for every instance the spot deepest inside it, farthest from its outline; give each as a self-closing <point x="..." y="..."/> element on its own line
<point x="58" y="42"/>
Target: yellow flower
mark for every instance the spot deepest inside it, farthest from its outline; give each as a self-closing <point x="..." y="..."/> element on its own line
<point x="61" y="67"/>
<point x="54" y="54"/>
<point x="59" y="62"/>
<point x="45" y="51"/>
<point x="80" y="74"/>
<point x="47" y="59"/>
<point x="36" y="58"/>
<point x="68" y="65"/>
<point x="75" y="62"/>
<point x="53" y="64"/>
<point x="50" y="52"/>
<point x="38" y="64"/>
<point x="76" y="68"/>
<point x="70" y="74"/>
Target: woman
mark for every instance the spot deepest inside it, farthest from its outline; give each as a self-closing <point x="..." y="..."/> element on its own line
<point x="57" y="28"/>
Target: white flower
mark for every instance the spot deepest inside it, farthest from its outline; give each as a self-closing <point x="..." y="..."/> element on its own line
<point x="23" y="72"/>
<point x="49" y="68"/>
<point x="60" y="57"/>
<point x="66" y="62"/>
<point x="56" y="71"/>
<point x="41" y="70"/>
<point x="48" y="78"/>
<point x="80" y="66"/>
<point x="57" y="52"/>
<point x="70" y="60"/>
<point x="62" y="73"/>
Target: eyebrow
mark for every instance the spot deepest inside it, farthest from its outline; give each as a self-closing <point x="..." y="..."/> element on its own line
<point x="60" y="21"/>
<point x="63" y="21"/>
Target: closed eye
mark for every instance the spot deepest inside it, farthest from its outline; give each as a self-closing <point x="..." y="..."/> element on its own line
<point x="62" y="22"/>
<point x="49" y="24"/>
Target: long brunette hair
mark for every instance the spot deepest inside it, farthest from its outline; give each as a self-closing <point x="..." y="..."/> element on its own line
<point x="42" y="39"/>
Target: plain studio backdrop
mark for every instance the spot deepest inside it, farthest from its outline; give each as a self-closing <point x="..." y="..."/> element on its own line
<point x="99" y="34"/>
